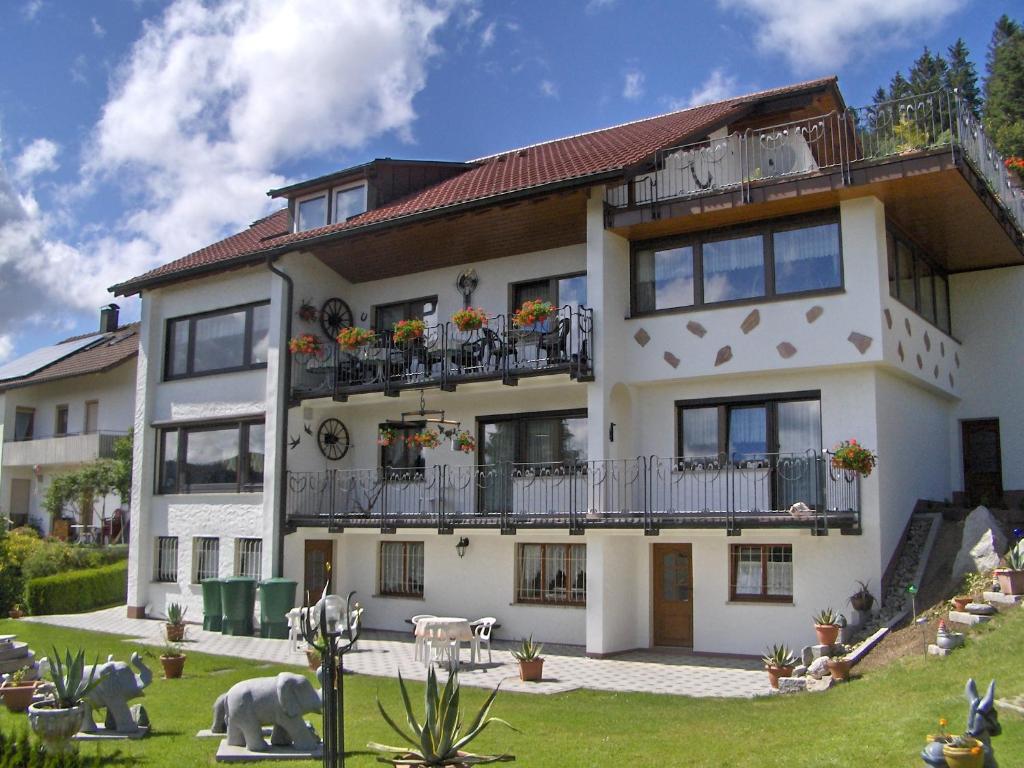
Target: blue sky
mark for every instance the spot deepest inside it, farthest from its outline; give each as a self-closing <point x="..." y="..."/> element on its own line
<point x="136" y="131"/>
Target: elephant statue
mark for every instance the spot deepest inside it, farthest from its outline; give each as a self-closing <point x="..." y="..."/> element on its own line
<point x="278" y="701"/>
<point x="119" y="684"/>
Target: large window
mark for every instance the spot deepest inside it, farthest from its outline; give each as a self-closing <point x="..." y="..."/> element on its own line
<point x="166" y="561"/>
<point x="776" y="259"/>
<point x="205" y="558"/>
<point x="386" y="315"/>
<point x="401" y="568"/>
<point x="212" y="457"/>
<point x="226" y="340"/>
<point x="551" y="573"/>
<point x="24" y="423"/>
<point x="563" y="290"/>
<point x="916" y="281"/>
<point x="534" y="438"/>
<point x="761" y="572"/>
<point x="312" y="211"/>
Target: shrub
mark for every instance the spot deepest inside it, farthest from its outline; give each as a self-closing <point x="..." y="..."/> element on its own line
<point x="19" y="750"/>
<point x="78" y="591"/>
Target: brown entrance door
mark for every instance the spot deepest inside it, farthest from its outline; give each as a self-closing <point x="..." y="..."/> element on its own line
<point x="673" y="595"/>
<point x="319" y="568"/>
<point x="983" y="462"/>
<point x="21" y="499"/>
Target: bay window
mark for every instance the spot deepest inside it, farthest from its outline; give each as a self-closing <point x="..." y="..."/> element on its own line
<point x="916" y="281"/>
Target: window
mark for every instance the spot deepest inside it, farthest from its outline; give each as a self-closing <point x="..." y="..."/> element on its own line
<point x="166" y="559"/>
<point x="386" y="315"/>
<point x="311" y="212"/>
<point x="551" y="573"/>
<point x="24" y="423"/>
<point x="767" y="260"/>
<point x="226" y="340"/>
<point x="401" y="454"/>
<point x="212" y="457"/>
<point x="534" y="438"/>
<point x="92" y="417"/>
<point x="761" y="572"/>
<point x="349" y="202"/>
<point x="562" y="290"/>
<point x="249" y="558"/>
<point x="916" y="281"/>
<point x="401" y="568"/>
<point x="205" y="559"/>
<point x="60" y="421"/>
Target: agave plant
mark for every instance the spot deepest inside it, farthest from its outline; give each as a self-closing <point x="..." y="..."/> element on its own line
<point x="70" y="685"/>
<point x="176" y="614"/>
<point x="827" y="617"/>
<point x="1015" y="557"/>
<point x="528" y="650"/>
<point x="440" y="739"/>
<point x="779" y="656"/>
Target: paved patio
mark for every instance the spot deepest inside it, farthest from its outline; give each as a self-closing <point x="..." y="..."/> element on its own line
<point x="383" y="654"/>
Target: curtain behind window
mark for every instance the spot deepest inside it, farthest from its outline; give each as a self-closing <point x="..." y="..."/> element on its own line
<point x="733" y="269"/>
<point x="807" y="259"/>
<point x="219" y="342"/>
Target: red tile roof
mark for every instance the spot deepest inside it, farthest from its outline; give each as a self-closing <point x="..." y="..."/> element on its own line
<point x="562" y="160"/>
<point x="119" y="347"/>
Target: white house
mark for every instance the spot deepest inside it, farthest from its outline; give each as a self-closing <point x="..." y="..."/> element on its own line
<point x="63" y="406"/>
<point x="739" y="287"/>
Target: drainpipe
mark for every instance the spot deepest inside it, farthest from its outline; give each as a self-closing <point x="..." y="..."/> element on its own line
<point x="284" y="398"/>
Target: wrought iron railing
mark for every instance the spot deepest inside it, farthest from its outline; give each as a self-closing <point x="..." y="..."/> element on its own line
<point x="446" y="356"/>
<point x="786" y="490"/>
<point x="836" y="140"/>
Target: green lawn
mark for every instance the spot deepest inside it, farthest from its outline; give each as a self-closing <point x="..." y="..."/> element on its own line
<point x="877" y="720"/>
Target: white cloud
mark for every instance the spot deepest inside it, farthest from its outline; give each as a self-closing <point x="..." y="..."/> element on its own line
<point x="6" y="346"/>
<point x="596" y="6"/>
<point x="633" y="85"/>
<point x="78" y="67"/>
<point x="823" y="35"/>
<point x="487" y="36"/>
<point x="549" y="89"/>
<point x="717" y="87"/>
<point x="40" y="156"/>
<point x="31" y="9"/>
<point x="97" y="28"/>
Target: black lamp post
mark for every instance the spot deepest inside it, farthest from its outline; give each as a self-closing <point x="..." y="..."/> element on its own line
<point x="333" y="636"/>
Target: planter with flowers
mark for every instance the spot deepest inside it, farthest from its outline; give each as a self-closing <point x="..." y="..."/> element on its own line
<point x="464" y="441"/>
<point x="18" y="690"/>
<point x="387" y="436"/>
<point x="307" y="312"/>
<point x="1011" y="575"/>
<point x="405" y="331"/>
<point x="354" y="337"/>
<point x="534" y="315"/>
<point x="172" y="660"/>
<point x="306" y="344"/>
<point x="428" y="438"/>
<point x="850" y="456"/>
<point x="862" y="599"/>
<point x="470" y="319"/>
<point x="963" y="752"/>
<point x="15" y="612"/>
<point x="1015" y="165"/>
<point x="839" y="667"/>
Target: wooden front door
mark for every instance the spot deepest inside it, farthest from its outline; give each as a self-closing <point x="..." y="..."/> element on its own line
<point x="319" y="556"/>
<point x="673" y="595"/>
<point x="983" y="461"/>
<point x="21" y="499"/>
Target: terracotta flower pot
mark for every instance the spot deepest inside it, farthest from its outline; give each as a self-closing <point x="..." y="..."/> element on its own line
<point x="964" y="757"/>
<point x="531" y="671"/>
<point x="18" y="697"/>
<point x="1010" y="582"/>
<point x="839" y="669"/>
<point x="774" y="673"/>
<point x="960" y="602"/>
<point x="175" y="633"/>
<point x="15" y="613"/>
<point x="55" y="727"/>
<point x="313" y="660"/>
<point x="827" y="633"/>
<point x="173" y="666"/>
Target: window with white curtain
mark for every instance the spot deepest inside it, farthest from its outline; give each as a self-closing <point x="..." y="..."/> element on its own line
<point x="761" y="572"/>
<point x="807" y="258"/>
<point x="551" y="573"/>
<point x="401" y="568"/>
<point x="212" y="342"/>
<point x="733" y="269"/>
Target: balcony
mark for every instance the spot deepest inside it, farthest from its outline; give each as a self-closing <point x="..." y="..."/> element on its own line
<point x="63" y="449"/>
<point x="445" y="357"/>
<point x="800" y="491"/>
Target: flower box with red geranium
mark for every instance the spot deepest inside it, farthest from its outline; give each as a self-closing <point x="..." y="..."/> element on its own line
<point x="470" y="319"/>
<point x="354" y="337"/>
<point x="407" y="330"/>
<point x="387" y="436"/>
<point x="464" y="441"/>
<point x="533" y="314"/>
<point x="306" y="344"/>
<point x="428" y="438"/>
<point x="850" y="456"/>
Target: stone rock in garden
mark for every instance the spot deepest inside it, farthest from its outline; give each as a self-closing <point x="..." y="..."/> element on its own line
<point x="818" y="667"/>
<point x="982" y="543"/>
<point x="823" y="684"/>
<point x="799" y="670"/>
<point x="806" y="655"/>
<point x="792" y="684"/>
<point x="980" y="609"/>
<point x="817" y="651"/>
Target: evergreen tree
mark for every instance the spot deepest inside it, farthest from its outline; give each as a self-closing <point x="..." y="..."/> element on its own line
<point x="899" y="88"/>
<point x="1004" y="30"/>
<point x="928" y="73"/>
<point x="1004" y="88"/>
<point x="963" y="76"/>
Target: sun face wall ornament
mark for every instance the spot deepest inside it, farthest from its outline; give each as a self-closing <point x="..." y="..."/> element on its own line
<point x="333" y="439"/>
<point x="466" y="282"/>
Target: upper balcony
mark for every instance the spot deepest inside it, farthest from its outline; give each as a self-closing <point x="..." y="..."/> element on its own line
<point x="60" y="449"/>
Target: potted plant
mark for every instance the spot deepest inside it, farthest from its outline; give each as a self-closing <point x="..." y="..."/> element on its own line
<point x="862" y="599"/>
<point x="308" y="312"/>
<point x="59" y="717"/>
<point x="971" y="589"/>
<point x="963" y="752"/>
<point x="428" y="438"/>
<point x="826" y="627"/>
<point x="18" y="690"/>
<point x="839" y="667"/>
<point x="470" y="319"/>
<point x="175" y="626"/>
<point x="1011" y="576"/>
<point x="779" y="661"/>
<point x="464" y="441"/>
<point x="407" y="330"/>
<point x="15" y="612"/>
<point x="306" y="344"/>
<point x="531" y="663"/>
<point x="173" y="661"/>
<point x="440" y="739"/>
<point x="353" y="337"/>
<point x="850" y="456"/>
<point x="387" y="436"/>
<point x="533" y="315"/>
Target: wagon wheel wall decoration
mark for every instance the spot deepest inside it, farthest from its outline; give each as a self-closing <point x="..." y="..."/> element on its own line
<point x="332" y="437"/>
<point x="335" y="314"/>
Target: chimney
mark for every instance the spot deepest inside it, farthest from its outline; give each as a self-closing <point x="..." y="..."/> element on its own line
<point x="108" y="318"/>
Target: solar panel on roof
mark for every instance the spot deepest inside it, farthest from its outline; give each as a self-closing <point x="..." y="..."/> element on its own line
<point x="41" y="358"/>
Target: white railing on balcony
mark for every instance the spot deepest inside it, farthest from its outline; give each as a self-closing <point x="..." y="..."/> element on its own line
<point x="63" y="449"/>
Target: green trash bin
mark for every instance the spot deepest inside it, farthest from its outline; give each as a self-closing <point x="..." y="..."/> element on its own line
<point x="237" y="598"/>
<point x="277" y="597"/>
<point x="212" y="611"/>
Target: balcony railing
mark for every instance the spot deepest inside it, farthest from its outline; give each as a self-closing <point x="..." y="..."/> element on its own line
<point x="750" y="491"/>
<point x="60" y="449"/>
<point x="445" y="356"/>
<point x="837" y="140"/>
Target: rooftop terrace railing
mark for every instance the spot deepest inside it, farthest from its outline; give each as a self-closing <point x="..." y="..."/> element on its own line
<point x="836" y="140"/>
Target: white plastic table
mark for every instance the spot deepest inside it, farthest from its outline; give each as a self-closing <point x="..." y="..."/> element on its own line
<point x="447" y="628"/>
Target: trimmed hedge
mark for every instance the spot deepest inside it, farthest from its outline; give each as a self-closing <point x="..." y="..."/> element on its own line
<point x="78" y="591"/>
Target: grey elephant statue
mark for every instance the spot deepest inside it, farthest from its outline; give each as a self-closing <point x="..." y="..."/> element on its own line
<point x="279" y="701"/>
<point x="119" y="685"/>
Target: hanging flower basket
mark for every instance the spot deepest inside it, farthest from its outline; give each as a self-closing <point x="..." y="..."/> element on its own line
<point x="534" y="312"/>
<point x="407" y="330"/>
<point x="354" y="337"/>
<point x="306" y="344"/>
<point x="470" y="319"/>
<point x="387" y="436"/>
<point x="850" y="456"/>
<point x="428" y="438"/>
<point x="307" y="312"/>
<point x="464" y="441"/>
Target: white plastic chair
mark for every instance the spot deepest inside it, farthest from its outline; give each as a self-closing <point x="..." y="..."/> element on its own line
<point x="441" y="649"/>
<point x="422" y="643"/>
<point x="481" y="637"/>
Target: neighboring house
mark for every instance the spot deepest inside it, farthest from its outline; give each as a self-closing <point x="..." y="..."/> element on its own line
<point x="61" y="407"/>
<point x="741" y="286"/>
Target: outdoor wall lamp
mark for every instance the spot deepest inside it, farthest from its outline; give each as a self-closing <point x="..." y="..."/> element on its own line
<point x="461" y="546"/>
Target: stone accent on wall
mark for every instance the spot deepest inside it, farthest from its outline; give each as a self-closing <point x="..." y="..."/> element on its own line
<point x="899" y="351"/>
<point x="956" y="359"/>
<point x="920" y="363"/>
<point x="906" y="324"/>
<point x="860" y="341"/>
<point x="814" y="313"/>
<point x="696" y="329"/>
<point x="671" y="359"/>
<point x="642" y="337"/>
<point x="888" y="318"/>
<point x="927" y="342"/>
<point x="935" y="373"/>
<point x="951" y="380"/>
<point x="751" y="321"/>
<point x="942" y="348"/>
<point x="786" y="350"/>
<point x="724" y="355"/>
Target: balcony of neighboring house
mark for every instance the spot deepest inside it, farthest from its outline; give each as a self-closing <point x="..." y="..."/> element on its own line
<point x="649" y="493"/>
<point x="60" y="449"/>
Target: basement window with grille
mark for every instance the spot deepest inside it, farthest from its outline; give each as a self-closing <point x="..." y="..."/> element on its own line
<point x="166" y="559"/>
<point x="205" y="558"/>
<point x="249" y="558"/>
